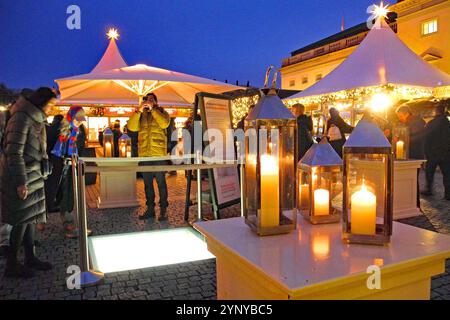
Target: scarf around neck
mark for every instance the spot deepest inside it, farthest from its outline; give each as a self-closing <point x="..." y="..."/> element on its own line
<point x="67" y="142"/>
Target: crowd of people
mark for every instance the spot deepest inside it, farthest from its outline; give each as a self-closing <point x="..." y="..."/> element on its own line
<point x="36" y="173"/>
<point x="429" y="141"/>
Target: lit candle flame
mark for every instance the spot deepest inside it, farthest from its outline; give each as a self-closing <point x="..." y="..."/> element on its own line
<point x="113" y="34"/>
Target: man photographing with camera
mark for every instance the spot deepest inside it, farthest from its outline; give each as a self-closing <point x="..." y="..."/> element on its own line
<point x="151" y="122"/>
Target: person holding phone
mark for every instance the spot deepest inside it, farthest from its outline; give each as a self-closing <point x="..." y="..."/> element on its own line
<point x="151" y="122"/>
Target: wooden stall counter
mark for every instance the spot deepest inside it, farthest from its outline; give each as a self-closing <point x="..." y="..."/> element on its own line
<point x="314" y="263"/>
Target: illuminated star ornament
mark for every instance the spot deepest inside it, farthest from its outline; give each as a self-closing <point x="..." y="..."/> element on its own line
<point x="113" y="34"/>
<point x="380" y="11"/>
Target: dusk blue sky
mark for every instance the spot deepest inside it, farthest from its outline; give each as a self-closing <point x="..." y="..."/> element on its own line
<point x="217" y="39"/>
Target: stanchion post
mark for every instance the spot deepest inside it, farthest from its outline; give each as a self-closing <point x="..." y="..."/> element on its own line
<point x="199" y="187"/>
<point x="88" y="277"/>
<point x="76" y="195"/>
<point x="241" y="158"/>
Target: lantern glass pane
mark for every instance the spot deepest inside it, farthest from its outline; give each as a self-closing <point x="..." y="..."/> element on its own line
<point x="366" y="191"/>
<point x="303" y="189"/>
<point x="251" y="159"/>
<point x="108" y="145"/>
<point x="400" y="142"/>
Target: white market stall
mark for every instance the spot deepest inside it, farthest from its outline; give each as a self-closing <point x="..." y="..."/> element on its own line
<point x="112" y="81"/>
<point x="379" y="73"/>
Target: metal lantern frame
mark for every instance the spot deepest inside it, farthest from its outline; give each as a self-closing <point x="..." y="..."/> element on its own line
<point x="125" y="146"/>
<point x="108" y="140"/>
<point x="319" y="168"/>
<point x="271" y="133"/>
<point x="400" y="142"/>
<point x="368" y="143"/>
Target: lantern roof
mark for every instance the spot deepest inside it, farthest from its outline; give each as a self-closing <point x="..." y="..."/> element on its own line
<point x="321" y="154"/>
<point x="270" y="107"/>
<point x="367" y="134"/>
<point x="124" y="136"/>
<point x="107" y="132"/>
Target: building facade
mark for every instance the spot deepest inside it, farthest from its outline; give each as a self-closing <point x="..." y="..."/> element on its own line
<point x="423" y="25"/>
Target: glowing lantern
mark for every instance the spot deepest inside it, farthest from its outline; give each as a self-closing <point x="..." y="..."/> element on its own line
<point x="367" y="186"/>
<point x="269" y="206"/>
<point x="108" y="143"/>
<point x="125" y="146"/>
<point x="319" y="183"/>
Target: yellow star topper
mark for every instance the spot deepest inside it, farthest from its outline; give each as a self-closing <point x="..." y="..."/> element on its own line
<point x="113" y="34"/>
<point x="380" y="11"/>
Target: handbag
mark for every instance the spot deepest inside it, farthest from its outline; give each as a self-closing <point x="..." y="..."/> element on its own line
<point x="334" y="133"/>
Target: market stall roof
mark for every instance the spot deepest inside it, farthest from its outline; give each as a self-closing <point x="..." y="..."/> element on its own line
<point x="130" y="83"/>
<point x="381" y="58"/>
<point x="111" y="59"/>
<point x="113" y="81"/>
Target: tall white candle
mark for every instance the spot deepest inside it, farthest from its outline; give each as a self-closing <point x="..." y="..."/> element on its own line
<point x="321" y="202"/>
<point x="363" y="212"/>
<point x="270" y="208"/>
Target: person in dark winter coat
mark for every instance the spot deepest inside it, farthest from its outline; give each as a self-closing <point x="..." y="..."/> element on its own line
<point x="304" y="129"/>
<point x="22" y="178"/>
<point x="337" y="141"/>
<point x="5" y="229"/>
<point x="437" y="150"/>
<point x="416" y="127"/>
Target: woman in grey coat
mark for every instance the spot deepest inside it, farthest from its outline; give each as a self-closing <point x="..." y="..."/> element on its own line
<point x="22" y="178"/>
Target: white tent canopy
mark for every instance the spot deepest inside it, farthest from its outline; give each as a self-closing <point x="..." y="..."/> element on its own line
<point x="381" y="58"/>
<point x="112" y="59"/>
<point x="131" y="83"/>
<point x="113" y="82"/>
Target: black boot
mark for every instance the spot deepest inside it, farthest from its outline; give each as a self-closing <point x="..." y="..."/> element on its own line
<point x="32" y="262"/>
<point x="14" y="269"/>
<point x="149" y="214"/>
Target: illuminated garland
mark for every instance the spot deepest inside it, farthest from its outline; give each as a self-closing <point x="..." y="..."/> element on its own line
<point x="442" y="92"/>
<point x="398" y="91"/>
<point x="240" y="107"/>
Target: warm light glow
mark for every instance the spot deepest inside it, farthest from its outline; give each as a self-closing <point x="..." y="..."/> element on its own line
<point x="381" y="10"/>
<point x="138" y="250"/>
<point x="321" y="246"/>
<point x="380" y="102"/>
<point x="113" y="34"/>
<point x="321" y="202"/>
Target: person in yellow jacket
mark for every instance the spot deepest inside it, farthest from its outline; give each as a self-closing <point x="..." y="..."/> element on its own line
<point x="151" y="123"/>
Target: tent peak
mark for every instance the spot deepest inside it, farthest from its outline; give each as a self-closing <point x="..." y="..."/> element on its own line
<point x="112" y="58"/>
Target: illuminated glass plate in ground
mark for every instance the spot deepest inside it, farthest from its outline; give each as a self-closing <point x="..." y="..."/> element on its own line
<point x="130" y="251"/>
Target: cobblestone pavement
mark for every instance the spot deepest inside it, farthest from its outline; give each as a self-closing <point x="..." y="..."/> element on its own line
<point x="193" y="280"/>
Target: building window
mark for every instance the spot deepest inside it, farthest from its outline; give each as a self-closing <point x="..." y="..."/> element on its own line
<point x="430" y="26"/>
<point x="305" y="80"/>
<point x="318" y="77"/>
<point x="291" y="83"/>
